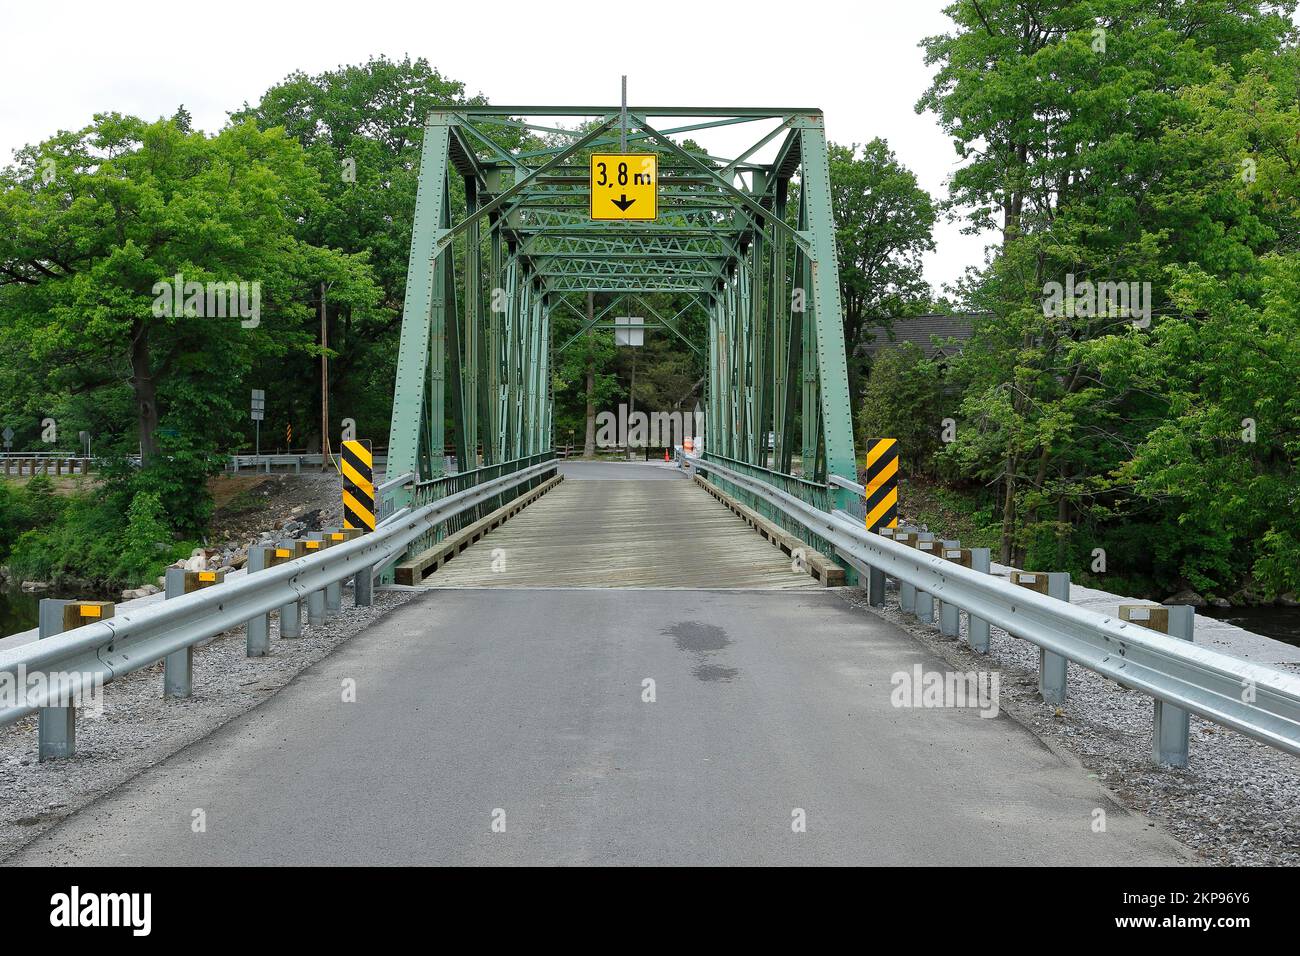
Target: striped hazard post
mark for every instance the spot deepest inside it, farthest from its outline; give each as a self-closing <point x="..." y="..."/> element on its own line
<point x="359" y="508"/>
<point x="358" y="486"/>
<point x="882" y="483"/>
<point x="881" y="503"/>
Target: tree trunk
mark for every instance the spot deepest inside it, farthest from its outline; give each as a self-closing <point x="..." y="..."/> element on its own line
<point x="1062" y="523"/>
<point x="1008" y="512"/>
<point x="589" y="445"/>
<point x="145" y="390"/>
<point x="1014" y="208"/>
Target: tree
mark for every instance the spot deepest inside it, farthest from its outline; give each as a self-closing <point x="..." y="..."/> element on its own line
<point x="902" y="400"/>
<point x="100" y="265"/>
<point x="361" y="128"/>
<point x="884" y="223"/>
<point x="1221" y="465"/>
<point x="1061" y="112"/>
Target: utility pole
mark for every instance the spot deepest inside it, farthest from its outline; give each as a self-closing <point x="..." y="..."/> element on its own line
<point x="324" y="385"/>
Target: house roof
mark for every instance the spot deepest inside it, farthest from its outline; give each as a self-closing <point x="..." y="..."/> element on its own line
<point x="919" y="329"/>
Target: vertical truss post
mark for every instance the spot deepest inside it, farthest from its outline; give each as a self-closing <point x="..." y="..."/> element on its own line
<point x="794" y="376"/>
<point x="413" y="357"/>
<point x="545" y="440"/>
<point x="442" y="311"/>
<point x="713" y="425"/>
<point x="744" y="358"/>
<point x="454" y="362"/>
<point x="779" y="321"/>
<point x="832" y="364"/>
<point x="735" y="356"/>
<point x="496" y="329"/>
<point x="473" y="398"/>
<point x="808" y="353"/>
<point x="759" y="350"/>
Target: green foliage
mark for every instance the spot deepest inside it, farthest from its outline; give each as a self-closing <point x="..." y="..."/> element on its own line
<point x="88" y="537"/>
<point x="360" y="128"/>
<point x="902" y="400"/>
<point x="1142" y="143"/>
<point x="145" y="539"/>
<point x="23" y="507"/>
<point x="884" y="223"/>
<point x="964" y="513"/>
<point x="41" y="504"/>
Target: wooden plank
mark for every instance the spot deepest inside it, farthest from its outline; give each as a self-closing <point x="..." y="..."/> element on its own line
<point x="623" y="533"/>
<point x="414" y="570"/>
<point x="819" y="566"/>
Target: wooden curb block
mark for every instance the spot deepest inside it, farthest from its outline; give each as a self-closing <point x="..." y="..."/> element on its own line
<point x="416" y="569"/>
<point x="819" y="566"/>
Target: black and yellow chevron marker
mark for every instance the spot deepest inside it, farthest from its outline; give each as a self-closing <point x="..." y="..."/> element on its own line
<point x="358" y="486"/>
<point x="882" y="483"/>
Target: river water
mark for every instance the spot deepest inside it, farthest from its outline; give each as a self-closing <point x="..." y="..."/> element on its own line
<point x="1279" y="623"/>
<point x="21" y="612"/>
<point x="17" y="611"/>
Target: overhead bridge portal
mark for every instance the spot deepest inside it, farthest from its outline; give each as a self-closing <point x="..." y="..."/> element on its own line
<point x="510" y="232"/>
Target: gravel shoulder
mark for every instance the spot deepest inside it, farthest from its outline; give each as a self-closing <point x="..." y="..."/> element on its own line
<point x="1236" y="804"/>
<point x="139" y="728"/>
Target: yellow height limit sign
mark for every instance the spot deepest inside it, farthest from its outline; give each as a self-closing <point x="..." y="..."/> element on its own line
<point x="624" y="185"/>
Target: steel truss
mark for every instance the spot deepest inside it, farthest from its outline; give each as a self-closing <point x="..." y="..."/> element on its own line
<point x="751" y="243"/>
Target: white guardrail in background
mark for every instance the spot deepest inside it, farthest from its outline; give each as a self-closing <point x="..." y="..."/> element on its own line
<point x="54" y="670"/>
<point x="1259" y="701"/>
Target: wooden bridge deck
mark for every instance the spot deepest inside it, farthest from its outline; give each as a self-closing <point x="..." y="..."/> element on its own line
<point x="613" y="525"/>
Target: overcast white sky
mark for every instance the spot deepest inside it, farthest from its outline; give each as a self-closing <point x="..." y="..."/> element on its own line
<point x="858" y="61"/>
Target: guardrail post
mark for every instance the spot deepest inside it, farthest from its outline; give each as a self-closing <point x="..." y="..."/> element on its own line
<point x="334" y="593"/>
<point x="876" y="576"/>
<point x="316" y="599"/>
<point x="57" y="726"/>
<point x="178" y="666"/>
<point x="926" y="544"/>
<point x="326" y="597"/>
<point x="291" y="613"/>
<point x="1052" y="666"/>
<point x="56" y="732"/>
<point x="258" y="629"/>
<point x="1170" y="724"/>
<point x="977" y="629"/>
<point x="363" y="587"/>
<point x="949" y="614"/>
<point x="906" y="592"/>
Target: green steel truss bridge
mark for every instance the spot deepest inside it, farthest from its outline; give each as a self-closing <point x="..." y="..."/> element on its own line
<point x="749" y="243"/>
<point x="641" y="678"/>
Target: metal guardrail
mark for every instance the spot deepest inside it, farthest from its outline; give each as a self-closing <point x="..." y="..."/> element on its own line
<point x="238" y="463"/>
<point x="1261" y="702"/>
<point x="109" y="649"/>
<point x="805" y="489"/>
<point x="853" y="486"/>
<point x="13" y="464"/>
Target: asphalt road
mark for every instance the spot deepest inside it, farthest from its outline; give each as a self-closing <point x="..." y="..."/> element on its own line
<point x="472" y="702"/>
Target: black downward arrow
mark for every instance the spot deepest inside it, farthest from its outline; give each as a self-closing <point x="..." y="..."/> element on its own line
<point x="622" y="202"/>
